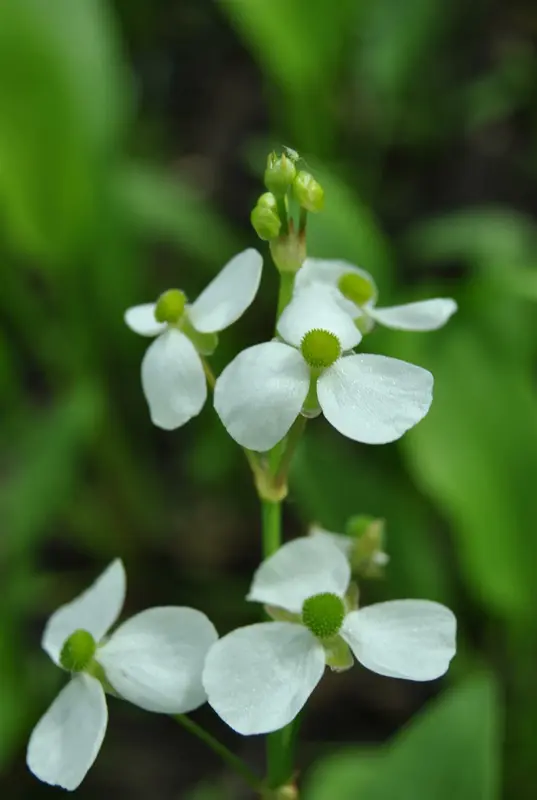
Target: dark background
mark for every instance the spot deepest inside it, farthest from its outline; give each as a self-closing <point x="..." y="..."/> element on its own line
<point x="132" y="139"/>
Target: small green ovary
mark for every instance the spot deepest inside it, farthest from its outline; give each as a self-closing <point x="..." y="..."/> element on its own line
<point x="356" y="288"/>
<point x="170" y="306"/>
<point x="320" y="348"/>
<point x="323" y="614"/>
<point x="78" y="651"/>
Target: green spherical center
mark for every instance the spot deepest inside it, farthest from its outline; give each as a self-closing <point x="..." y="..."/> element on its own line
<point x="356" y="288"/>
<point x="323" y="614"/>
<point x="78" y="651"/>
<point x="320" y="348"/>
<point x="170" y="306"/>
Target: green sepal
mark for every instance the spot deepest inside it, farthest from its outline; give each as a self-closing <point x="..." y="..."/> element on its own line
<point x="339" y="656"/>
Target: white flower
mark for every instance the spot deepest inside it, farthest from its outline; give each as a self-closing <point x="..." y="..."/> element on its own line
<point x="259" y="677"/>
<point x="173" y="379"/>
<point x="369" y="398"/>
<point x="154" y="660"/>
<point x="355" y="292"/>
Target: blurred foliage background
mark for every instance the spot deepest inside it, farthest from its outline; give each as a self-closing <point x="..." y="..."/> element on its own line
<point x="132" y="138"/>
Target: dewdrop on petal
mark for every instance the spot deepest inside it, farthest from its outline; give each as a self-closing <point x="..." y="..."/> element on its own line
<point x="154" y="660"/>
<point x="259" y="677"/>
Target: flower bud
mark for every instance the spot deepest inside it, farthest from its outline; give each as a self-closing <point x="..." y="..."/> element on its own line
<point x="308" y="192"/>
<point x="279" y="174"/>
<point x="368" y="557"/>
<point x="267" y="200"/>
<point x="265" y="221"/>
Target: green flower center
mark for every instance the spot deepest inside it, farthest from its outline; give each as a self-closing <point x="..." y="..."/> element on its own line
<point x="320" y="348"/>
<point x="323" y="614"/>
<point x="356" y="288"/>
<point x="78" y="651"/>
<point x="170" y="306"/>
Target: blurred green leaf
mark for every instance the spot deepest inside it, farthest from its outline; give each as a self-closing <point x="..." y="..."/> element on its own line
<point x="163" y="207"/>
<point x="475" y="454"/>
<point x="62" y="105"/>
<point x="41" y="468"/>
<point x="452" y="749"/>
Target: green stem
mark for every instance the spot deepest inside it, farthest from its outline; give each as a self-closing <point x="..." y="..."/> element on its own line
<point x="271" y="520"/>
<point x="287" y="283"/>
<point x="233" y="761"/>
<point x="293" y="438"/>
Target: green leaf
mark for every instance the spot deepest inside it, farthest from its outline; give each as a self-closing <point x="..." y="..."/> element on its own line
<point x="452" y="749"/>
<point x="44" y="464"/>
<point x="165" y="208"/>
<point x="62" y="105"/>
<point x="475" y="455"/>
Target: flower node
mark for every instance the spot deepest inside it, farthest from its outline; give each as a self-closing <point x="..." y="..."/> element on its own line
<point x="170" y="306"/>
<point x="323" y="614"/>
<point x="356" y="288"/>
<point x="320" y="348"/>
<point x="78" y="651"/>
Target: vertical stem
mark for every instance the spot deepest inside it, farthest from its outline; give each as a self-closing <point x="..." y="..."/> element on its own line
<point x="287" y="282"/>
<point x="271" y="527"/>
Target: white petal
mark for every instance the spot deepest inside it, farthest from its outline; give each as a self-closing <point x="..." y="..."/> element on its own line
<point x="95" y="611"/>
<point x="259" y="395"/>
<point x="141" y="319"/>
<point x="258" y="678"/>
<point x="155" y="659"/>
<point x="374" y="399"/>
<point x="228" y="296"/>
<point x="320" y="271"/>
<point x="298" y="570"/>
<point x="173" y="380"/>
<point x="412" y="639"/>
<point x="343" y="543"/>
<point x="427" y="315"/>
<point x="65" y="742"/>
<point x="313" y="308"/>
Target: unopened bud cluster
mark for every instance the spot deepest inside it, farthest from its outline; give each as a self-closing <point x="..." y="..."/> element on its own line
<point x="270" y="216"/>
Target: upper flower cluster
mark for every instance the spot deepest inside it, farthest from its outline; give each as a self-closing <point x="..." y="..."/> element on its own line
<point x="310" y="368"/>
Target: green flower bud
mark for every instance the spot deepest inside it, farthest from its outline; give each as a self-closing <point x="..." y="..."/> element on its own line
<point x="78" y="651"/>
<point x="308" y="192"/>
<point x="279" y="174"/>
<point x="267" y="200"/>
<point x="266" y="222"/>
<point x="368" y="557"/>
<point x="323" y="614"/>
<point x="320" y="348"/>
<point x="170" y="306"/>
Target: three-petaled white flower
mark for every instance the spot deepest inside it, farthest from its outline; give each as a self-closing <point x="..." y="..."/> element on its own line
<point x="356" y="293"/>
<point x="259" y="677"/>
<point x="154" y="660"/>
<point x="173" y="378"/>
<point x="369" y="398"/>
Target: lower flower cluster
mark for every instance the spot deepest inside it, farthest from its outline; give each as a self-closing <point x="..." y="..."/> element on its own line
<point x="258" y="678"/>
